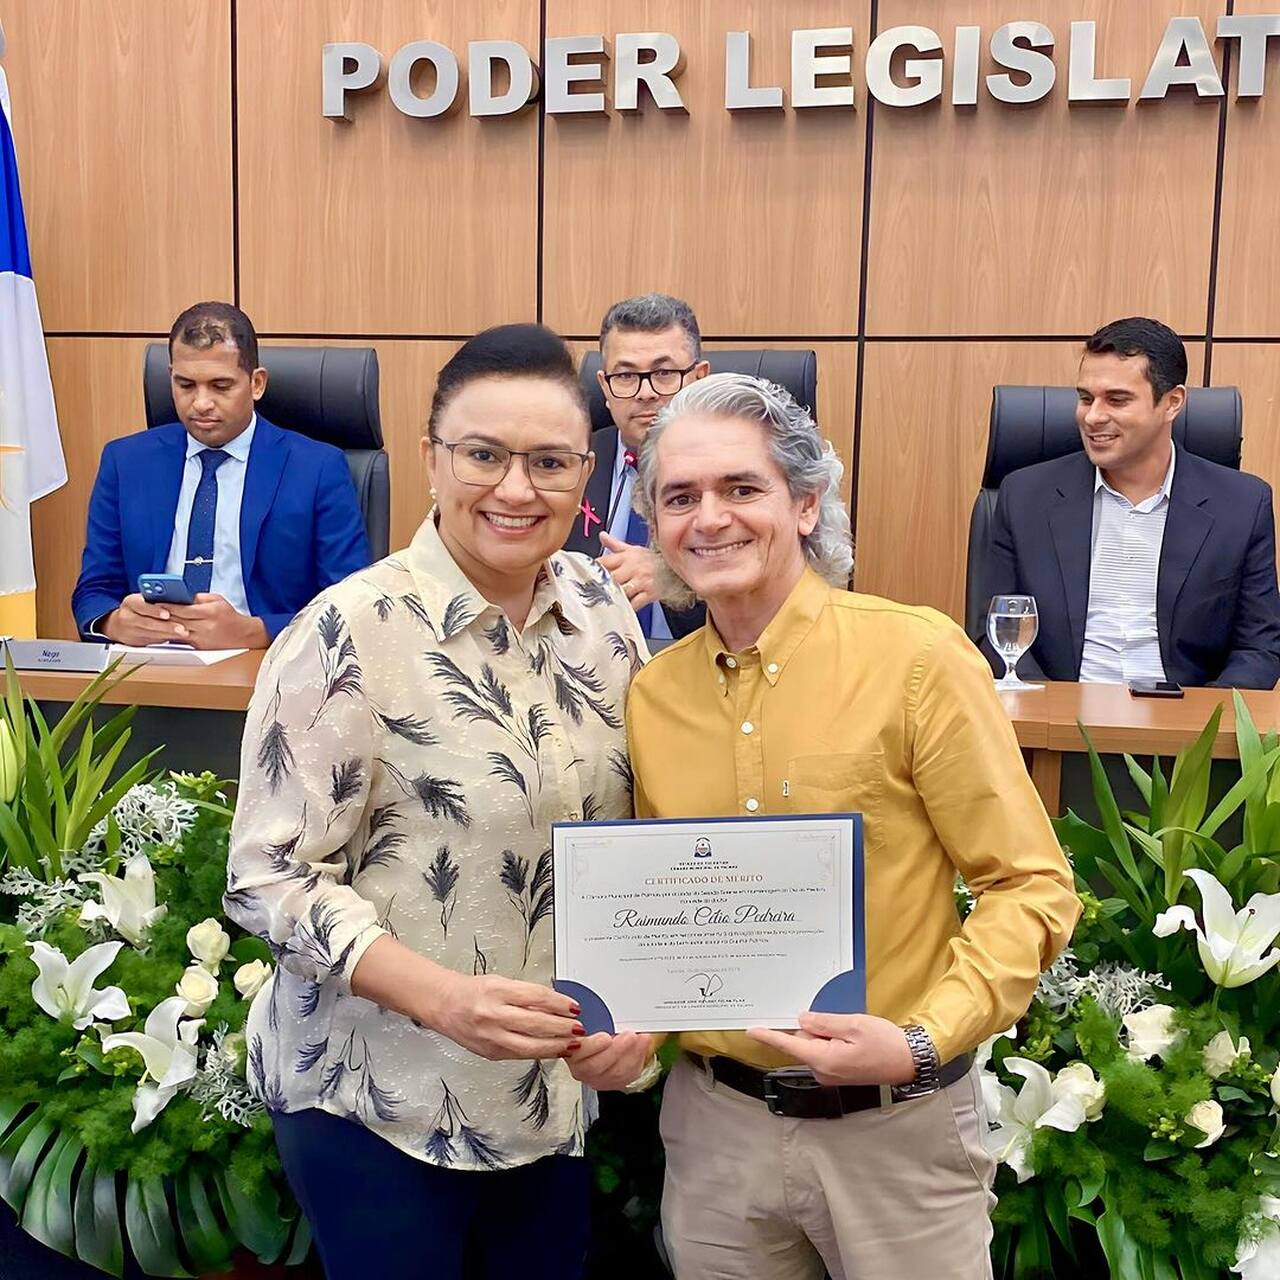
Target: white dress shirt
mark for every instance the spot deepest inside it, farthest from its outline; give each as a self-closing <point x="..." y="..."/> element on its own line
<point x="1121" y="636"/>
<point x="228" y="574"/>
<point x="624" y="481"/>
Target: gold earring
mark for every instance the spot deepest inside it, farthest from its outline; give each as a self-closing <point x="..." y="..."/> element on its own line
<point x="433" y="493"/>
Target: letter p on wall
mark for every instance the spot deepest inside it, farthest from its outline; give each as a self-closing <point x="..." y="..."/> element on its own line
<point x="348" y="67"/>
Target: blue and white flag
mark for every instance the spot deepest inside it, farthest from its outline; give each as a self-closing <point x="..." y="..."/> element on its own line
<point x="31" y="461"/>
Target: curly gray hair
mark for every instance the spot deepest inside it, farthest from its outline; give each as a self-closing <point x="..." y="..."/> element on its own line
<point x="807" y="461"/>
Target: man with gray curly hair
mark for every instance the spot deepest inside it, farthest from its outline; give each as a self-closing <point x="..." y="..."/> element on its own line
<point x="799" y="696"/>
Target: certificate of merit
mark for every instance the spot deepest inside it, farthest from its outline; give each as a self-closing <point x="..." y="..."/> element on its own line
<point x="709" y="925"/>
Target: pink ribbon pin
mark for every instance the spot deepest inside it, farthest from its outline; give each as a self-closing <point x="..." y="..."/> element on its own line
<point x="588" y="515"/>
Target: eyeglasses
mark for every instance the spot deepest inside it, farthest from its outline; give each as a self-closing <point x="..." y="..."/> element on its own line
<point x="555" y="470"/>
<point x="663" y="382"/>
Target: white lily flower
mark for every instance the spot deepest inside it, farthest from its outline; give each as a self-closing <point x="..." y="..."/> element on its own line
<point x="64" y="989"/>
<point x="128" y="902"/>
<point x="169" y="1051"/>
<point x="1231" y="942"/>
<point x="1041" y="1103"/>
<point x="1221" y="1053"/>
<point x="1151" y="1032"/>
<point x="209" y="943"/>
<point x="1275" y="1087"/>
<point x="982" y="1054"/>
<point x="1259" y="1259"/>
<point x="198" y="987"/>
<point x="1207" y="1117"/>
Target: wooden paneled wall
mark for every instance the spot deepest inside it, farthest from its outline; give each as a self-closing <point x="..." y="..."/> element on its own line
<point x="173" y="150"/>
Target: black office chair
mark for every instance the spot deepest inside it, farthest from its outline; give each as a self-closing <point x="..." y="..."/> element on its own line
<point x="327" y="393"/>
<point x="1035" y="424"/>
<point x="797" y="371"/>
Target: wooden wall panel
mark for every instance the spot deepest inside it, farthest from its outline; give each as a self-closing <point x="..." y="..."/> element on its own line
<point x="385" y="224"/>
<point x="837" y="389"/>
<point x="1255" y="369"/>
<point x="755" y="218"/>
<point x="1046" y="219"/>
<point x="924" y="440"/>
<point x="1248" y="301"/>
<point x="98" y="385"/>
<point x="122" y="120"/>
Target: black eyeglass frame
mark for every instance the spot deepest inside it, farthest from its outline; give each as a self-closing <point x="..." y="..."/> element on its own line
<point x="646" y="376"/>
<point x="512" y="454"/>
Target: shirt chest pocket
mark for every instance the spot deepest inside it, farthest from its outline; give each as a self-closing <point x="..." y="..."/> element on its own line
<point x="841" y="783"/>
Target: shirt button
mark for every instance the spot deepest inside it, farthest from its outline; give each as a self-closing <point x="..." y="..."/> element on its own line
<point x="731" y="662"/>
<point x="747" y="726"/>
<point x="772" y="668"/>
<point x="752" y="805"/>
<point x="721" y="679"/>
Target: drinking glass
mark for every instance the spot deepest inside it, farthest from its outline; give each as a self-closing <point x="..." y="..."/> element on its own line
<point x="1012" y="624"/>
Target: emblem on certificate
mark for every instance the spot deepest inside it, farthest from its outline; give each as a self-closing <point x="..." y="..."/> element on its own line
<point x="716" y="924"/>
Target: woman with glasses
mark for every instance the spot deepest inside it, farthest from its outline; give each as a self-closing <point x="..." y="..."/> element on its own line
<point x="412" y="737"/>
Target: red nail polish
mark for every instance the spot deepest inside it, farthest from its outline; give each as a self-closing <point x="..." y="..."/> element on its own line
<point x="579" y="1029"/>
<point x="572" y="1048"/>
<point x="575" y="1009"/>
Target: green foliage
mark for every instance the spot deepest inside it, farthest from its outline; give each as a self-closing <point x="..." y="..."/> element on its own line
<point x="1138" y="1189"/>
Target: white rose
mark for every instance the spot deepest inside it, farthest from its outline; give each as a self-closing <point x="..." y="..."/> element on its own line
<point x="199" y="988"/>
<point x="1151" y="1032"/>
<point x="1207" y="1117"/>
<point x="1275" y="1087"/>
<point x="1076" y="1080"/>
<point x="234" y="1051"/>
<point x="209" y="942"/>
<point x="251" y="978"/>
<point x="1221" y="1052"/>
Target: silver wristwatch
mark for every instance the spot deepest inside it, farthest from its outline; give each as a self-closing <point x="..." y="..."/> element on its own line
<point x="925" y="1057"/>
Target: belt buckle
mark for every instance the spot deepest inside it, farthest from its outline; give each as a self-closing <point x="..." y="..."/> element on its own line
<point x="796" y="1083"/>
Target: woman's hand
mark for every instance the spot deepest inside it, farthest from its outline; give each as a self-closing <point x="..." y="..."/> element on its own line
<point x="611" y="1062"/>
<point x="501" y="1018"/>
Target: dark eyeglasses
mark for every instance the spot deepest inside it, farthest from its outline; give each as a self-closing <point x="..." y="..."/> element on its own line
<point x="555" y="470"/>
<point x="663" y="382"/>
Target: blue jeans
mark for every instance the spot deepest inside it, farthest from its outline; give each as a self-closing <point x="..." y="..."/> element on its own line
<point x="376" y="1212"/>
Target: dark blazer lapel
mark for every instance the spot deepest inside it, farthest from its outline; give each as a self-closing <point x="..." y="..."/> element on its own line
<point x="1071" y="522"/>
<point x="164" y="483"/>
<point x="267" y="457"/>
<point x="584" y="535"/>
<point x="1185" y="530"/>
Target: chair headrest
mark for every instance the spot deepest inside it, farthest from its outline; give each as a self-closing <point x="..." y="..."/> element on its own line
<point x="327" y="393"/>
<point x="797" y="371"/>
<point x="1035" y="424"/>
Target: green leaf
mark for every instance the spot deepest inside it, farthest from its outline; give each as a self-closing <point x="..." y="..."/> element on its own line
<point x="88" y="698"/>
<point x="15" y="841"/>
<point x="15" y="705"/>
<point x="1141" y="778"/>
<point x="301" y="1246"/>
<point x="90" y="1051"/>
<point x="1086" y="842"/>
<point x="48" y="1215"/>
<point x="1118" y="1246"/>
<point x="19" y="1155"/>
<point x="1158" y="1149"/>
<point x="1188" y="796"/>
<point x="256" y="1221"/>
<point x="1254" y="775"/>
<point x="125" y="782"/>
<point x="1229" y="1093"/>
<point x="1112" y="823"/>
<point x="1159" y="796"/>
<point x="97" y="1221"/>
<point x="1055" y="1207"/>
<point x="10" y="1109"/>
<point x="151" y="1234"/>
<point x="207" y="1244"/>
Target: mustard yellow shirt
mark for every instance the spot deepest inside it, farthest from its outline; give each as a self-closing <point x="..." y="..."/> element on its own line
<point x="853" y="703"/>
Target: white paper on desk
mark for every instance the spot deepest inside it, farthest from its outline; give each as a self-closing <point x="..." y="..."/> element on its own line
<point x="172" y="656"/>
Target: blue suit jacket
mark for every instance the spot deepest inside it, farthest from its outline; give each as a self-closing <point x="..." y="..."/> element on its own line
<point x="1217" y="611"/>
<point x="300" y="524"/>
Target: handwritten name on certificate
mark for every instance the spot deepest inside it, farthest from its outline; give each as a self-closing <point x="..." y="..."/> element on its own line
<point x="712" y="925"/>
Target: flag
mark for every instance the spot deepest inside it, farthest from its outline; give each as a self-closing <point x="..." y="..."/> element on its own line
<point x="31" y="461"/>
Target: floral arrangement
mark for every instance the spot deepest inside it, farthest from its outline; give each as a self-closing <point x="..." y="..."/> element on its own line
<point x="1136" y="1111"/>
<point x="125" y="1115"/>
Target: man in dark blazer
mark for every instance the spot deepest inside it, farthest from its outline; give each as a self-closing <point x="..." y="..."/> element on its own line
<point x="1146" y="561"/>
<point x="258" y="520"/>
<point x="650" y="347"/>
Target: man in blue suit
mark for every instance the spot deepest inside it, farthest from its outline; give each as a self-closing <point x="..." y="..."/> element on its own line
<point x="1146" y="561"/>
<point x="257" y="519"/>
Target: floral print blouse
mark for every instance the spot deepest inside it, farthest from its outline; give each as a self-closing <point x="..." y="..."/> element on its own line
<point x="404" y="756"/>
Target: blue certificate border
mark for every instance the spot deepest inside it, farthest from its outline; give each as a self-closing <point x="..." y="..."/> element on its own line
<point x="844" y="993"/>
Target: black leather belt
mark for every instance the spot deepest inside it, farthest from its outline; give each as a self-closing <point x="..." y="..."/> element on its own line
<point x="793" y="1091"/>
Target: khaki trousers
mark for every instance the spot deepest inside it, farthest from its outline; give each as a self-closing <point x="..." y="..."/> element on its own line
<point x="902" y="1193"/>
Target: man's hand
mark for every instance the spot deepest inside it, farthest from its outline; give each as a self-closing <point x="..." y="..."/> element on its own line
<point x="138" y="622"/>
<point x="213" y="623"/>
<point x="611" y="1062"/>
<point x="846" y="1048"/>
<point x="634" y="569"/>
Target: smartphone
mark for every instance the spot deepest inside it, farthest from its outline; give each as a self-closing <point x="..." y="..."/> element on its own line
<point x="1155" y="689"/>
<point x="164" y="588"/>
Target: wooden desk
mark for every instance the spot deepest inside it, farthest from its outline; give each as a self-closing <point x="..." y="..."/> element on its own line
<point x="1118" y="722"/>
<point x="225" y="686"/>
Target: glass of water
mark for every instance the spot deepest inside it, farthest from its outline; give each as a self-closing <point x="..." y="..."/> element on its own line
<point x="1012" y="624"/>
